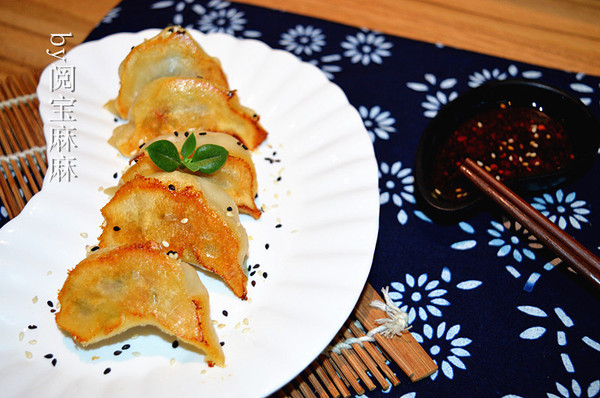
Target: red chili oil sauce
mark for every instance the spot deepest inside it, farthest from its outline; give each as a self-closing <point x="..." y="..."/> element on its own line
<point x="508" y="141"/>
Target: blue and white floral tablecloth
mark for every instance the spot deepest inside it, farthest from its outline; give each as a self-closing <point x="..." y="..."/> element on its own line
<point x="485" y="301"/>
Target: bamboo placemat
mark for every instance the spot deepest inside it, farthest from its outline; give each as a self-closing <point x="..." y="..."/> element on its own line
<point x="354" y="363"/>
<point x="22" y="145"/>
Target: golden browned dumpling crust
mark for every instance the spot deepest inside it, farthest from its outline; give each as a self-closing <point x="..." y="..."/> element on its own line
<point x="172" y="104"/>
<point x="118" y="288"/>
<point x="173" y="52"/>
<point x="190" y="217"/>
<point x="237" y="176"/>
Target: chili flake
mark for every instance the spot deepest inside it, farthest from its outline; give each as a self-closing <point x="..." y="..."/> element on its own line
<point x="506" y="141"/>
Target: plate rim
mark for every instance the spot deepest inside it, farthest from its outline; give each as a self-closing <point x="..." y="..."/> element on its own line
<point x="34" y="203"/>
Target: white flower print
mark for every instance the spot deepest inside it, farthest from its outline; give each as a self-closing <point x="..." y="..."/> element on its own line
<point x="468" y="243"/>
<point x="563" y="391"/>
<point x="422" y="297"/>
<point x="479" y="78"/>
<point x="512" y="239"/>
<point x="378" y="123"/>
<point x="438" y="94"/>
<point x="419" y="297"/>
<point x="447" y="349"/>
<point x="584" y="90"/>
<point x="303" y="40"/>
<point x="407" y="395"/>
<point x="509" y="240"/>
<point x="178" y="7"/>
<point x="536" y="332"/>
<point x="392" y="176"/>
<point x="327" y="65"/>
<point x="226" y="20"/>
<point x="111" y="15"/>
<point x="563" y="210"/>
<point x="366" y="47"/>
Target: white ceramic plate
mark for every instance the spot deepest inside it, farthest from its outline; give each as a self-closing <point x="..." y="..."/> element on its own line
<point x="310" y="253"/>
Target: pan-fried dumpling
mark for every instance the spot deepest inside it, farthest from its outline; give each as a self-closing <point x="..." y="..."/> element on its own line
<point x="192" y="218"/>
<point x="118" y="288"/>
<point x="172" y="104"/>
<point x="173" y="52"/>
<point x="237" y="176"/>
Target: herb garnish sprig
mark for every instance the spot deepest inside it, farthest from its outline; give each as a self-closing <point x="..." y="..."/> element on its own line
<point x="207" y="158"/>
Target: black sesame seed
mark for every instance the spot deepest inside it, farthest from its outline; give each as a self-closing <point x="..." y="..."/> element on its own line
<point x="264" y="274"/>
<point x="256" y="266"/>
<point x="115" y="175"/>
<point x="279" y="178"/>
<point x="126" y="347"/>
<point x="253" y="283"/>
<point x="249" y="268"/>
<point x="171" y="187"/>
<point x="117" y="352"/>
<point x="106" y="371"/>
<point x="202" y="133"/>
<point x="225" y="313"/>
<point x="222" y="343"/>
<point x="48" y="356"/>
<point x="116" y="120"/>
<point x="245" y="147"/>
<point x="93" y="249"/>
<point x="53" y="310"/>
<point x="278" y="226"/>
<point x="252" y="273"/>
<point x="186" y="133"/>
<point x="115" y="228"/>
<point x="175" y="344"/>
<point x="229" y="208"/>
<point x="50" y="303"/>
<point x="32" y="327"/>
<point x="141" y="146"/>
<point x="54" y="361"/>
<point x="267" y="246"/>
<point x="176" y="133"/>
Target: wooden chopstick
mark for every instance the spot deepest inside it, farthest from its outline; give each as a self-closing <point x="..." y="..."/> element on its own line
<point x="565" y="246"/>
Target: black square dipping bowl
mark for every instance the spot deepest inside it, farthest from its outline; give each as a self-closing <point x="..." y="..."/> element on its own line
<point x="528" y="135"/>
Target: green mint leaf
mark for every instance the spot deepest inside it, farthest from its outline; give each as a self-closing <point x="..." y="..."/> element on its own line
<point x="208" y="158"/>
<point x="187" y="149"/>
<point x="164" y="154"/>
